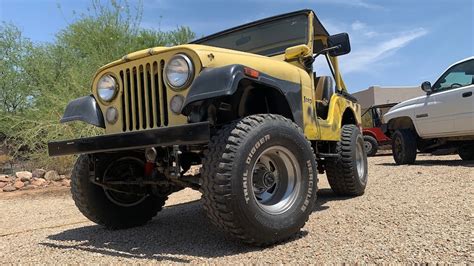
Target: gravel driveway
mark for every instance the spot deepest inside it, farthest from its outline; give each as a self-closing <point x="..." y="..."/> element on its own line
<point x="418" y="213"/>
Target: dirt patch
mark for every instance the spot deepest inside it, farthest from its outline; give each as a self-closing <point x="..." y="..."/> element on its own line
<point x="409" y="214"/>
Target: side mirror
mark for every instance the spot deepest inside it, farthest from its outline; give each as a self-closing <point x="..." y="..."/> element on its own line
<point x="426" y="87"/>
<point x="341" y="44"/>
<point x="297" y="51"/>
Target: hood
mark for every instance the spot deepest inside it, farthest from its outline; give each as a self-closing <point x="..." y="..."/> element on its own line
<point x="217" y="57"/>
<point x="407" y="103"/>
<point x="403" y="106"/>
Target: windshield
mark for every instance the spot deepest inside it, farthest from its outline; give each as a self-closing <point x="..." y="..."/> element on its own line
<point x="267" y="38"/>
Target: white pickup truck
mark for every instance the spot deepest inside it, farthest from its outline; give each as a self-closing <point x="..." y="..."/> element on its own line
<point x="443" y="118"/>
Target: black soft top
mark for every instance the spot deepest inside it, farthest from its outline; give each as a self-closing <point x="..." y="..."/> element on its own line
<point x="319" y="29"/>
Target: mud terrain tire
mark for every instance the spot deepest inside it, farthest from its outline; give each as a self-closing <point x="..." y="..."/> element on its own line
<point x="238" y="175"/>
<point x="347" y="175"/>
<point x="466" y="152"/>
<point x="404" y="147"/>
<point x="93" y="203"/>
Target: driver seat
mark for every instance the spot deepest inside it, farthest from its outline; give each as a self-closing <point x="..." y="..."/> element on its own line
<point x="324" y="89"/>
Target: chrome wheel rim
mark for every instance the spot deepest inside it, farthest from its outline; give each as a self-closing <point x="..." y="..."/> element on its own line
<point x="360" y="161"/>
<point x="276" y="180"/>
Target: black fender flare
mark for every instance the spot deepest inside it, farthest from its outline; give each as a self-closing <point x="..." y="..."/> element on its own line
<point x="224" y="81"/>
<point x="84" y="109"/>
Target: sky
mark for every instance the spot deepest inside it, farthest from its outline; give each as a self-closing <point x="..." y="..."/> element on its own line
<point x="394" y="42"/>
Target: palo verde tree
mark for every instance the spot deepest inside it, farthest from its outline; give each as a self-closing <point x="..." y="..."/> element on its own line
<point x="43" y="78"/>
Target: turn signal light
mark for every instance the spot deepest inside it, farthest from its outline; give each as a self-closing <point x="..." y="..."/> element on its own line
<point x="251" y="72"/>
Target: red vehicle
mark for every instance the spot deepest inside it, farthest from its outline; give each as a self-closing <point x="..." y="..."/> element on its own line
<point x="373" y="134"/>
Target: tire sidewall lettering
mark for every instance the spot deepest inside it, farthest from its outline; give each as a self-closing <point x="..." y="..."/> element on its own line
<point x="308" y="190"/>
<point x="249" y="165"/>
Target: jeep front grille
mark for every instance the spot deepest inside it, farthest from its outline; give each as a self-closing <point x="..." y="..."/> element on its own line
<point x="144" y="100"/>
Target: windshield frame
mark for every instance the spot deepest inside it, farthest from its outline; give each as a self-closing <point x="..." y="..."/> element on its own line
<point x="306" y="12"/>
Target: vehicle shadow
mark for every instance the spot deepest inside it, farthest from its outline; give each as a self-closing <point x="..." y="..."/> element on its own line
<point x="381" y="155"/>
<point x="180" y="230"/>
<point x="455" y="163"/>
<point x="326" y="195"/>
<point x="176" y="231"/>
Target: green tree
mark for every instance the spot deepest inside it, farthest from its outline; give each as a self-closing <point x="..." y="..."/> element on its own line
<point x="14" y="86"/>
<point x="58" y="72"/>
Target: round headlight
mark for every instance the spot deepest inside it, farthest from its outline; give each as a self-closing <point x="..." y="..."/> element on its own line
<point x="107" y="88"/>
<point x="179" y="71"/>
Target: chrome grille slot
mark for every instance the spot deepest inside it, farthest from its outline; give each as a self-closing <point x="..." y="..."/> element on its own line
<point x="144" y="99"/>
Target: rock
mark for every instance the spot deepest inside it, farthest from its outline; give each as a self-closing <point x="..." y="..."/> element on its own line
<point x="56" y="183"/>
<point x="62" y="177"/>
<point x="38" y="182"/>
<point x="9" y="188"/>
<point x="52" y="176"/>
<point x="66" y="182"/>
<point x="18" y="184"/>
<point x="39" y="173"/>
<point x="5" y="178"/>
<point x="23" y="175"/>
<point x="28" y="187"/>
<point x="3" y="184"/>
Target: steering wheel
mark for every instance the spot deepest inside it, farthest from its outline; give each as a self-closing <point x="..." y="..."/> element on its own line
<point x="455" y="85"/>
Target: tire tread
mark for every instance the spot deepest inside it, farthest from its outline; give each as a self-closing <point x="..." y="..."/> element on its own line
<point x="217" y="178"/>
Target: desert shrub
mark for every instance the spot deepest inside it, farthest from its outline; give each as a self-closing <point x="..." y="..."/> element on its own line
<point x="38" y="80"/>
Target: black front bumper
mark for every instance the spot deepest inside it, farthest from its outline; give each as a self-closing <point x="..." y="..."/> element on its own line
<point x="196" y="133"/>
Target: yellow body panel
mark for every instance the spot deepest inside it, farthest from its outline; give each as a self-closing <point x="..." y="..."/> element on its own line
<point x="143" y="58"/>
<point x="212" y="57"/>
<point x="330" y="129"/>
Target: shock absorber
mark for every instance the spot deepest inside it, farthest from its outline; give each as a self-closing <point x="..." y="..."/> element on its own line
<point x="175" y="165"/>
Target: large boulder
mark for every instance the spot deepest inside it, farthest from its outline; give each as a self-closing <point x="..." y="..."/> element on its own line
<point x="66" y="182"/>
<point x="23" y="176"/>
<point x="52" y="176"/>
<point x="57" y="183"/>
<point x="5" y="178"/>
<point x="29" y="187"/>
<point x="39" y="182"/>
<point x="9" y="188"/>
<point x="39" y="173"/>
<point x="18" y="184"/>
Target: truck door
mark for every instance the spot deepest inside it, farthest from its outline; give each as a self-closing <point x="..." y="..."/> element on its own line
<point x="449" y="109"/>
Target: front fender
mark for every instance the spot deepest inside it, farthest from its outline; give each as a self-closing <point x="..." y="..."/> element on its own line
<point x="224" y="81"/>
<point x="215" y="82"/>
<point x="84" y="109"/>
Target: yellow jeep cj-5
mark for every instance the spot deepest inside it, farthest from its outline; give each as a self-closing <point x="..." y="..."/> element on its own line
<point x="244" y="103"/>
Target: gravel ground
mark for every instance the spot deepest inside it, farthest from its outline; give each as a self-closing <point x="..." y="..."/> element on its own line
<point x="418" y="213"/>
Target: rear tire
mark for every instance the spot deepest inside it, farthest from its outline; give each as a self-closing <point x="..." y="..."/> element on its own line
<point x="404" y="146"/>
<point x="466" y="152"/>
<point x="371" y="145"/>
<point x="259" y="179"/>
<point x="348" y="174"/>
<point x="98" y="206"/>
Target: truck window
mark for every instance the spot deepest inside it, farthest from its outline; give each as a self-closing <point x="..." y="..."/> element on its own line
<point x="457" y="76"/>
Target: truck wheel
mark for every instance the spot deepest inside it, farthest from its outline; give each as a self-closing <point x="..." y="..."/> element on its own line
<point x="348" y="174"/>
<point x="112" y="209"/>
<point x="371" y="146"/>
<point x="466" y="152"/>
<point x="259" y="179"/>
<point x="404" y="147"/>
